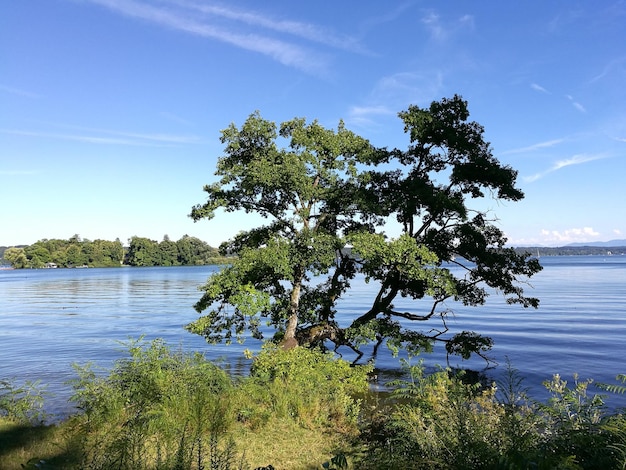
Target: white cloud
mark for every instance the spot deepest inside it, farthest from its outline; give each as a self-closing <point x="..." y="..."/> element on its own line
<point x="537" y="87"/>
<point x="547" y="237"/>
<point x="575" y="160"/>
<point x="573" y="235"/>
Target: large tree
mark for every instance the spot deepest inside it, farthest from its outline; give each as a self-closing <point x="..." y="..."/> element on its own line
<point x="330" y="198"/>
<point x="299" y="189"/>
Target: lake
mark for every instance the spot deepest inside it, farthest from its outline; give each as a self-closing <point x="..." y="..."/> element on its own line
<point x="52" y="318"/>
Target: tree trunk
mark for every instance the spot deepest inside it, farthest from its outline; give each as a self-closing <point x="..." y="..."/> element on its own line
<point x="292" y="322"/>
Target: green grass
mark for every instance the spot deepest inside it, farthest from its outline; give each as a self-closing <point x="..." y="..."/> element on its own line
<point x="20" y="443"/>
<point x="282" y="444"/>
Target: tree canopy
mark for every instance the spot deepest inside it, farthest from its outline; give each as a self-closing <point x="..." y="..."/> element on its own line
<point x="141" y="251"/>
<point x="330" y="197"/>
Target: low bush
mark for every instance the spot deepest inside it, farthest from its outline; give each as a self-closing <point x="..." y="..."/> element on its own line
<point x="22" y="404"/>
<point x="439" y="421"/>
<point x="157" y="409"/>
<point x="308" y="386"/>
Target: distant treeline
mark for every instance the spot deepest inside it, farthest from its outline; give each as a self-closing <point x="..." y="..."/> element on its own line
<point x="574" y="250"/>
<point x="77" y="252"/>
<point x="188" y="251"/>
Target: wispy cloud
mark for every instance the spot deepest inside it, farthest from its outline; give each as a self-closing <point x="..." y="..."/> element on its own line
<point x="18" y="91"/>
<point x="432" y="22"/>
<point x="615" y="64"/>
<point x="391" y="14"/>
<point x="440" y="31"/>
<point x="183" y="16"/>
<point x="92" y="136"/>
<point x="175" y="118"/>
<point x="307" y="31"/>
<point x="575" y="160"/>
<point x="539" y="88"/>
<point x="534" y="147"/>
<point x="576" y="104"/>
<point x="393" y="93"/>
<point x="365" y="115"/>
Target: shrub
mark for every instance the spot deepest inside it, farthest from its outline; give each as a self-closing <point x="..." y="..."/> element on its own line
<point x="439" y="421"/>
<point x="574" y="424"/>
<point x="308" y="386"/>
<point x="156" y="409"/>
<point x="22" y="404"/>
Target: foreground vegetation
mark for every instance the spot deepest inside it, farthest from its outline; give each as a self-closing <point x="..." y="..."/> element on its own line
<point x="302" y="409"/>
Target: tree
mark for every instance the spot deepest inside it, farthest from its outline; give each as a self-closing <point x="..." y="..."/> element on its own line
<point x="16" y="257"/>
<point x="38" y="254"/>
<point x="168" y="252"/>
<point x="298" y="189"/>
<point x="329" y="198"/>
<point x="185" y="250"/>
<point x="75" y="255"/>
<point x="143" y="252"/>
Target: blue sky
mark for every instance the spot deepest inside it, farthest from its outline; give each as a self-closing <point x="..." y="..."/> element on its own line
<point x="110" y="110"/>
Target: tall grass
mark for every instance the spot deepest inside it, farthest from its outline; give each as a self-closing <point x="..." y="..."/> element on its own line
<point x="443" y="422"/>
<point x="160" y="408"/>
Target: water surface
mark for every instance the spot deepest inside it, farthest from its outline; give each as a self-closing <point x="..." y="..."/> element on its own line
<point x="52" y="318"/>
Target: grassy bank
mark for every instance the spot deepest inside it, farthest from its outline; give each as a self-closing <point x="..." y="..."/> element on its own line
<point x="298" y="409"/>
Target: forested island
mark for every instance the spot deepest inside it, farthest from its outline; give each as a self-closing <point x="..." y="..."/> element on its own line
<point x="188" y="251"/>
<point x="140" y="251"/>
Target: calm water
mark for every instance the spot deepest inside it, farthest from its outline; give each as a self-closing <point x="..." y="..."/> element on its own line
<point x="50" y="319"/>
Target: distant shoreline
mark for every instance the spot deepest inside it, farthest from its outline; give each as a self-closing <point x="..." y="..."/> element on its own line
<point x="572" y="250"/>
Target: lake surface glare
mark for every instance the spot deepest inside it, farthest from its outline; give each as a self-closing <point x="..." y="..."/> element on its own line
<point x="52" y="318"/>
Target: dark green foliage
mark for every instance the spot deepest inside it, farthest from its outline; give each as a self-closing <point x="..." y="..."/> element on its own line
<point x="188" y="251"/>
<point x="615" y="388"/>
<point x="338" y="462"/>
<point x="331" y="199"/>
